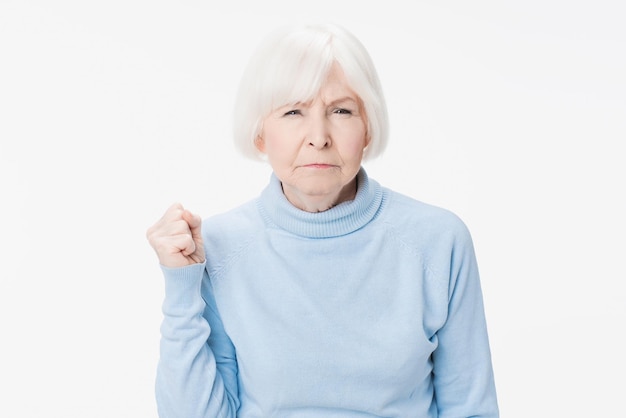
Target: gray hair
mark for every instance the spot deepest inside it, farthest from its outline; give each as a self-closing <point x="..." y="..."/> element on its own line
<point x="290" y="66"/>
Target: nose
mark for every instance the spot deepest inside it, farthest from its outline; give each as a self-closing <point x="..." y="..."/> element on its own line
<point x="318" y="135"/>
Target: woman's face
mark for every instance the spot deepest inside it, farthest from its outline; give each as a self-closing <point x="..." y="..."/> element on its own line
<point x="316" y="148"/>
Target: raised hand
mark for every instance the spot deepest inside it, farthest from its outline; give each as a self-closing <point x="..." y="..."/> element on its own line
<point x="177" y="238"/>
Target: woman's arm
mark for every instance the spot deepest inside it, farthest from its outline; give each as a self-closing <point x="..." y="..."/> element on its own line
<point x="196" y="374"/>
<point x="463" y="374"/>
<point x="197" y="370"/>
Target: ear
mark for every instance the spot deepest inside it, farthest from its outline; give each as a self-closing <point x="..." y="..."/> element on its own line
<point x="366" y="125"/>
<point x="259" y="143"/>
<point x="368" y="139"/>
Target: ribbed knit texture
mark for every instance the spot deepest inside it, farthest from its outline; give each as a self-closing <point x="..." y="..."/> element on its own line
<point x="342" y="219"/>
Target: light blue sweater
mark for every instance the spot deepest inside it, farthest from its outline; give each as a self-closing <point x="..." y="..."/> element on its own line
<point x="370" y="309"/>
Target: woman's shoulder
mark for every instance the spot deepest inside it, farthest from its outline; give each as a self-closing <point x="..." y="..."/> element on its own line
<point x="408" y="214"/>
<point x="403" y="204"/>
<point x="230" y="231"/>
<point x="238" y="220"/>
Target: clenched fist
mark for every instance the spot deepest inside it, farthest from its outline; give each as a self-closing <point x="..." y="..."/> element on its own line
<point x="177" y="238"/>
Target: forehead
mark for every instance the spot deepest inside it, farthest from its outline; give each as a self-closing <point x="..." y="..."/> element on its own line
<point x="303" y="84"/>
<point x="336" y="81"/>
<point x="335" y="87"/>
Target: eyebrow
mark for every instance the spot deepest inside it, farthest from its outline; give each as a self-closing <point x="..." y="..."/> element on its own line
<point x="331" y="103"/>
<point x="344" y="99"/>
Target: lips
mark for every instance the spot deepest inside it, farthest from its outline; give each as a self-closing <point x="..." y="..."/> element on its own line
<point x="319" y="165"/>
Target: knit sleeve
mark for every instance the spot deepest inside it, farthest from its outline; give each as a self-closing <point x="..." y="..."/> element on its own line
<point x="462" y="369"/>
<point x="197" y="370"/>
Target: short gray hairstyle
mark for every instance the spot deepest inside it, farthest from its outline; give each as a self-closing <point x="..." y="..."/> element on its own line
<point x="290" y="66"/>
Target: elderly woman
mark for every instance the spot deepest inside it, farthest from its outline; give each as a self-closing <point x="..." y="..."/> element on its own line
<point x="328" y="295"/>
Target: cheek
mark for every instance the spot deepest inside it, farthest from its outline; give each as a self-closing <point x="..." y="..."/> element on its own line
<point x="281" y="148"/>
<point x="275" y="139"/>
<point x="355" y="143"/>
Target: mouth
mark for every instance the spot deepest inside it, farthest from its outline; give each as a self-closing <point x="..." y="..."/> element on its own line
<point x="319" y="165"/>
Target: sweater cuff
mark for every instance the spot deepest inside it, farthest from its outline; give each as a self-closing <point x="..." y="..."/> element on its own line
<point x="182" y="284"/>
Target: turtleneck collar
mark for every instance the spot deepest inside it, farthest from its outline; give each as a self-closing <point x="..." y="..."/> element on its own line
<point x="339" y="220"/>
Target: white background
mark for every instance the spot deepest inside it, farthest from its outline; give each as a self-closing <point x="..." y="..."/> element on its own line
<point x="511" y="114"/>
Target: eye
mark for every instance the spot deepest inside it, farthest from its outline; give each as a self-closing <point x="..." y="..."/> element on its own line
<point x="342" y="111"/>
<point x="292" y="112"/>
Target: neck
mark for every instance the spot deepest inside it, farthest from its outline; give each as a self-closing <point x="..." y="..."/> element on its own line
<point x="321" y="203"/>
